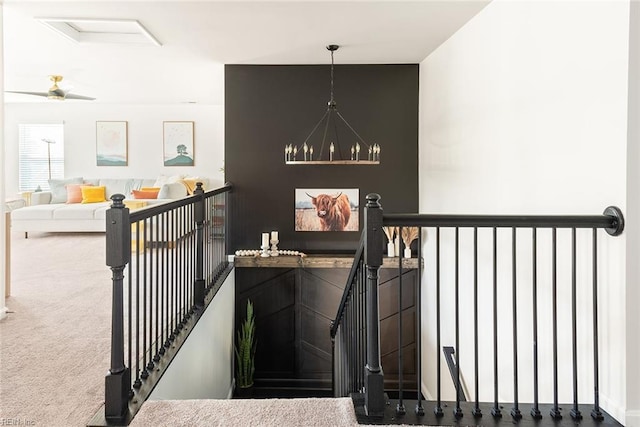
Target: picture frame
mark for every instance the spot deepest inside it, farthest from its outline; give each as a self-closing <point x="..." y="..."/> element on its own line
<point x="178" y="144"/>
<point x="111" y="143"/>
<point x="327" y="209"/>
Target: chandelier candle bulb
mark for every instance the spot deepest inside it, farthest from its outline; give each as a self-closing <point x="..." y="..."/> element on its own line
<point x="331" y="150"/>
<point x="311" y="153"/>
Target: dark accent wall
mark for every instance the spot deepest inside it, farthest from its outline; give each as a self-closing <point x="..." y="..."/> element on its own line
<point x="267" y="107"/>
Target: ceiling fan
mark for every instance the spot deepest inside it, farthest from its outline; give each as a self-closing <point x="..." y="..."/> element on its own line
<point x="55" y="92"/>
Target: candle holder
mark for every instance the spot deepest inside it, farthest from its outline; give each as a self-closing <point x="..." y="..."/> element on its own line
<point x="265" y="251"/>
<point x="274" y="247"/>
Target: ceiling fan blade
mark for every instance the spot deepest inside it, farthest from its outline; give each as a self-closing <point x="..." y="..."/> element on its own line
<point x="28" y="93"/>
<point x="73" y="96"/>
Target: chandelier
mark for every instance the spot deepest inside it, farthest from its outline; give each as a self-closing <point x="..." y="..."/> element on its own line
<point x="359" y="152"/>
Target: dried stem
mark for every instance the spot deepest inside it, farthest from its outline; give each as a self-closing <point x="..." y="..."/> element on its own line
<point x="409" y="234"/>
<point x="389" y="232"/>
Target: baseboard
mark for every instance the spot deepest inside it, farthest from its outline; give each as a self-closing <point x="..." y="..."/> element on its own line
<point x="613" y="409"/>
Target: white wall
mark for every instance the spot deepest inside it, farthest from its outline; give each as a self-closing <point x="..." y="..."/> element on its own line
<point x="145" y="146"/>
<point x="3" y="231"/>
<point x="524" y="110"/>
<point x="203" y="368"/>
<point x="633" y="229"/>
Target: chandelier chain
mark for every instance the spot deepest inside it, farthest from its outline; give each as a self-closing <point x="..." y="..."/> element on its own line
<point x="331" y="100"/>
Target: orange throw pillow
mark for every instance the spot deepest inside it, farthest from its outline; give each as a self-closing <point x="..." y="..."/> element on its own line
<point x="74" y="192"/>
<point x="140" y="194"/>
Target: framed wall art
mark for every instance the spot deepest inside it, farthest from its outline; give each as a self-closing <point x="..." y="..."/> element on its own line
<point x="327" y="209"/>
<point x="178" y="143"/>
<point x="111" y="143"/>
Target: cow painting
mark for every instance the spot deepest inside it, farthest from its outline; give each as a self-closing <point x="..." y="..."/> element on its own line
<point x="333" y="211"/>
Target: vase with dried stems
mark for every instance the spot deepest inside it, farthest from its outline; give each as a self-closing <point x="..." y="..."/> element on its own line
<point x="409" y="234"/>
<point x="390" y="233"/>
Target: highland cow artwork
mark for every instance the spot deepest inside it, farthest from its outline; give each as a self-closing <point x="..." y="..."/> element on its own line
<point x="327" y="209"/>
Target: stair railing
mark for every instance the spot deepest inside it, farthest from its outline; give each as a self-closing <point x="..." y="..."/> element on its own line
<point x="167" y="262"/>
<point x="526" y="227"/>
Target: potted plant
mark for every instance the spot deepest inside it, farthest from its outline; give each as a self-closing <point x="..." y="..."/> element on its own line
<point x="245" y="353"/>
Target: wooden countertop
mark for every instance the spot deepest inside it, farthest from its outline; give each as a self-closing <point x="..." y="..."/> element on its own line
<point x="315" y="261"/>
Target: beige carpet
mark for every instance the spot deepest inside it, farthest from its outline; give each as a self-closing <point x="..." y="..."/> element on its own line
<point x="54" y="349"/>
<point x="55" y="340"/>
<point x="244" y="413"/>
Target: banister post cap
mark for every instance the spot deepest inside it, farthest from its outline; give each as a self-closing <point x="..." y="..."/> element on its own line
<point x="373" y="200"/>
<point x="118" y="201"/>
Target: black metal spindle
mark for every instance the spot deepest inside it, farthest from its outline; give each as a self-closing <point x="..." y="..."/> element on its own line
<point x="159" y="337"/>
<point x="361" y="323"/>
<point x="400" y="409"/>
<point x="477" y="412"/>
<point x="419" y="410"/>
<point x="130" y="338"/>
<point x="166" y="235"/>
<point x="495" y="411"/>
<point x="515" y="411"/>
<point x="438" y="411"/>
<point x="148" y="229"/>
<point x="172" y="255"/>
<point x="139" y="373"/>
<point x="457" y="412"/>
<point x="555" y="410"/>
<point x="596" y="414"/>
<point x="535" y="410"/>
<point x="575" y="411"/>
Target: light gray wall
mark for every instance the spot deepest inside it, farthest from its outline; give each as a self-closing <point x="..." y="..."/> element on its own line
<point x="524" y="110"/>
<point x="203" y="368"/>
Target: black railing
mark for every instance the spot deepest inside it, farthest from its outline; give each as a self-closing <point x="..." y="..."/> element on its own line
<point x="167" y="261"/>
<point x="348" y="331"/>
<point x="487" y="265"/>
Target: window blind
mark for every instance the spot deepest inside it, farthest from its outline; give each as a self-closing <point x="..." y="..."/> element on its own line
<point x="40" y="155"/>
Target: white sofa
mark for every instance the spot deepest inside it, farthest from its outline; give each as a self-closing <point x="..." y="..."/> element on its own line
<point x="43" y="216"/>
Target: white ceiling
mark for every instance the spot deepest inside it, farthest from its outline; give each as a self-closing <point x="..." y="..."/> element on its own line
<point x="199" y="37"/>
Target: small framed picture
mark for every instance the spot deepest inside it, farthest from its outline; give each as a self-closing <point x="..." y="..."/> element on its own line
<point x="178" y="143"/>
<point x="111" y="143"/>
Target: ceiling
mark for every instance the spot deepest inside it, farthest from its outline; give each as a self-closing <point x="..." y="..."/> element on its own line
<point x="199" y="37"/>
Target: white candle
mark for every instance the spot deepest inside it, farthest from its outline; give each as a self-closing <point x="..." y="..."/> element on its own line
<point x="265" y="239"/>
<point x="274" y="235"/>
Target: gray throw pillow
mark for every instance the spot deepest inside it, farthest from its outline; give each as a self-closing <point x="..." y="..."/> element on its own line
<point x="58" y="188"/>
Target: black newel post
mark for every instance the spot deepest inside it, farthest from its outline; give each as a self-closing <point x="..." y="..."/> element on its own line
<point x="199" y="285"/>
<point x="118" y="380"/>
<point x="374" y="377"/>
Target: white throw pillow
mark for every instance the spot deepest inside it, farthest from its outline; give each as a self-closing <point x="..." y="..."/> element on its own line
<point x="59" y="190"/>
<point x="174" y="190"/>
<point x="163" y="179"/>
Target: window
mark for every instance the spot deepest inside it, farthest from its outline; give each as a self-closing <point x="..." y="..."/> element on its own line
<point x="41" y="155"/>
